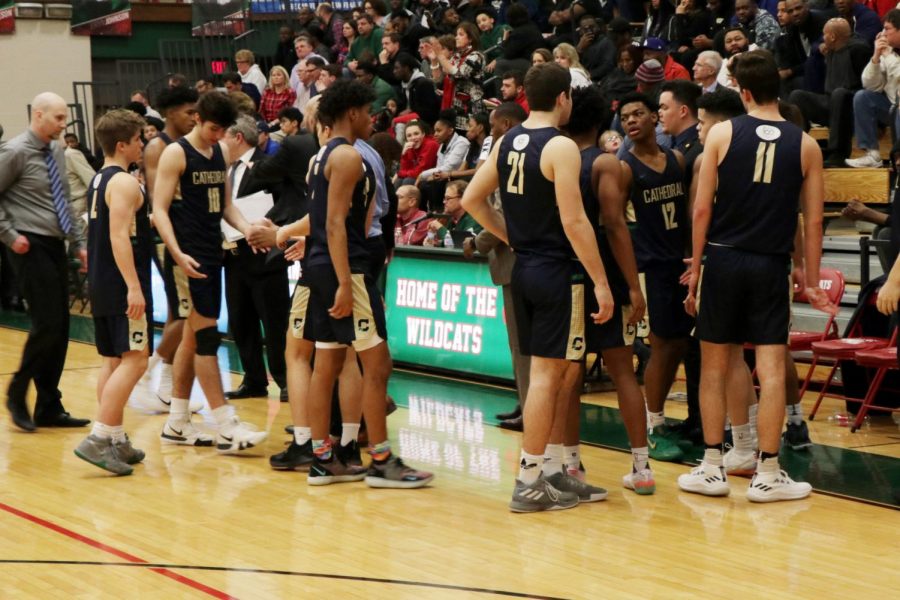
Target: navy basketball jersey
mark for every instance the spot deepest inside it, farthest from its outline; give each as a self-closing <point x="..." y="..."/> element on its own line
<point x="108" y="291"/>
<point x="585" y="182"/>
<point x="197" y="221"/>
<point x="528" y="198"/>
<point x="660" y="206"/>
<point x="363" y="194"/>
<point x="758" y="193"/>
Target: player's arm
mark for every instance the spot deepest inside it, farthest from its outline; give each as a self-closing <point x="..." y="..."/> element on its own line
<point x="296" y="229"/>
<point x="172" y="164"/>
<point x="152" y="154"/>
<point x="812" y="200"/>
<point x="692" y="191"/>
<point x="612" y="208"/>
<point x="123" y="197"/>
<point x="475" y="198"/>
<point x="564" y="162"/>
<point x="342" y="170"/>
<point x="716" y="145"/>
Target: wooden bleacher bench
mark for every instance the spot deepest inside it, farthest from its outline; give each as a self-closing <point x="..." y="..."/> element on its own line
<point x="869" y="186"/>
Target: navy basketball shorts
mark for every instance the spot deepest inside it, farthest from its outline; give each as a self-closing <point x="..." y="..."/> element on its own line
<point x="616" y="332"/>
<point x="665" y="301"/>
<point x="365" y="328"/>
<point x="117" y="334"/>
<point x="548" y="296"/>
<point x="744" y="297"/>
<point x="201" y="295"/>
<point x="166" y="269"/>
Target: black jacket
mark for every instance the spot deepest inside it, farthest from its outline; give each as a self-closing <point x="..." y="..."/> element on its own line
<point x="423" y="99"/>
<point x="522" y="42"/>
<point x="789" y="50"/>
<point x="288" y="167"/>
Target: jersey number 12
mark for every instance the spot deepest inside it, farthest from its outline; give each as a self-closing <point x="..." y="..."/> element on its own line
<point x="668" y="211"/>
<point x="516" y="183"/>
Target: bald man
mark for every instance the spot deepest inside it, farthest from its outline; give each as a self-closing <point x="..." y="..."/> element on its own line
<point x="845" y="58"/>
<point x="35" y="220"/>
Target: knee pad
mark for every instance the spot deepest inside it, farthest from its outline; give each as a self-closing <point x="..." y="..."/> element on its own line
<point x="208" y="341"/>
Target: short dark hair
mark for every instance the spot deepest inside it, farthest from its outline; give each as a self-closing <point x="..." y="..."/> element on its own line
<point x="544" y="83"/>
<point x="447" y="117"/>
<point x="481" y="119"/>
<point x="174" y="97"/>
<point x="316" y="61"/>
<point x="177" y="79"/>
<point x="518" y="76"/>
<point x="333" y="69"/>
<point x="407" y="60"/>
<point x="757" y="72"/>
<point x="158" y="123"/>
<point x="587" y="110"/>
<point x="291" y="113"/>
<point x="232" y="77"/>
<point x="394" y="37"/>
<point x="116" y="126"/>
<point x="136" y="107"/>
<point x="217" y="108"/>
<point x="723" y="103"/>
<point x="685" y="92"/>
<point x="633" y="97"/>
<point x="740" y="28"/>
<point x="367" y="67"/>
<point x="379" y="7"/>
<point x="893" y="17"/>
<point x="512" y="111"/>
<point x="516" y="15"/>
<point x="342" y="96"/>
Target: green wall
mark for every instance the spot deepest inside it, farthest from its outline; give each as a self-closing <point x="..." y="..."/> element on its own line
<point x="143" y="43"/>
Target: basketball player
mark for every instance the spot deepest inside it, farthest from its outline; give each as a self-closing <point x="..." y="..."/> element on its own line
<point x="654" y="179"/>
<point x="345" y="305"/>
<point x="601" y="179"/>
<point x="755" y="169"/>
<point x="543" y="220"/>
<point x="119" y="250"/>
<point x="194" y="169"/>
<point x="178" y="106"/>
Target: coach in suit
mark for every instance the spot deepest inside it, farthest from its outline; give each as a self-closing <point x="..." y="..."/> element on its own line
<point x="35" y="220"/>
<point x="288" y="167"/>
<point x="256" y="290"/>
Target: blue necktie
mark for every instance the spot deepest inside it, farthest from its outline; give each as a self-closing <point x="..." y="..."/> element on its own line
<point x="56" y="190"/>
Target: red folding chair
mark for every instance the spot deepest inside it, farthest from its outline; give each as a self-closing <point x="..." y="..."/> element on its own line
<point x="832" y="283"/>
<point x="846" y="348"/>
<point x="882" y="360"/>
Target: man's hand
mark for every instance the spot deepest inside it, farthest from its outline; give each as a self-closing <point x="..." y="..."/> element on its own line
<point x="491" y="66"/>
<point x="685" y="277"/>
<point x="881" y="47"/>
<point x="584" y="42"/>
<point x="638" y="306"/>
<point x="605" y="304"/>
<point x="82" y="256"/>
<point x="262" y="234"/>
<point x="784" y="73"/>
<point x="854" y="211"/>
<point x="798" y="277"/>
<point x="701" y="42"/>
<point x="690" y="302"/>
<point x="434" y="225"/>
<point x="189" y="266"/>
<point x="21" y="245"/>
<point x="819" y="300"/>
<point x="296" y="251"/>
<point x="383" y="57"/>
<point x="343" y="302"/>
<point x="888" y="296"/>
<point x="469" y="247"/>
<point x="136" y="303"/>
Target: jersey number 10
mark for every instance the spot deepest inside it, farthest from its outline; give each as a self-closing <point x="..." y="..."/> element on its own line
<point x="215" y="200"/>
<point x="516" y="183"/>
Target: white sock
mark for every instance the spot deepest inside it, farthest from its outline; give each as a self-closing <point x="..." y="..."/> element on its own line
<point x="222" y="414"/>
<point x="302" y="435"/>
<point x="553" y="459"/>
<point x="153" y="361"/>
<point x="768" y="464"/>
<point x="349" y="433"/>
<point x="655" y="419"/>
<point x="118" y="435"/>
<point x="753" y="414"/>
<point x="795" y="414"/>
<point x="573" y="457"/>
<point x="875" y="153"/>
<point x="104" y="432"/>
<point x="179" y="410"/>
<point x="165" y="382"/>
<point x="530" y="467"/>
<point x="639" y="458"/>
<point x="713" y="457"/>
<point x="742" y="438"/>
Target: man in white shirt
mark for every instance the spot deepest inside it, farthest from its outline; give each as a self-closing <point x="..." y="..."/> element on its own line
<point x="706" y="69"/>
<point x="141" y="96"/>
<point x="249" y="70"/>
<point x="303" y="46"/>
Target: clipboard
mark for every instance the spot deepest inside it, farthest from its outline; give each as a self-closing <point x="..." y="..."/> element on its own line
<point x="254" y="207"/>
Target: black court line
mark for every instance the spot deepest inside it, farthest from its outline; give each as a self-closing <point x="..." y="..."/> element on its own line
<point x="442" y="586"/>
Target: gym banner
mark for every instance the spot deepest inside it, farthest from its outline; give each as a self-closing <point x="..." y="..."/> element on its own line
<point x="7" y="17"/>
<point x="101" y="17"/>
<point x="218" y="17"/>
<point x="446" y="313"/>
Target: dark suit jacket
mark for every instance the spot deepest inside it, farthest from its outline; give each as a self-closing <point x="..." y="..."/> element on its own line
<point x="288" y="167"/>
<point x="250" y="184"/>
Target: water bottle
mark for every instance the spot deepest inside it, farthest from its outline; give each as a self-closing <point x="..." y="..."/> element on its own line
<point x="448" y="240"/>
<point x="429" y="238"/>
<point x="398" y="236"/>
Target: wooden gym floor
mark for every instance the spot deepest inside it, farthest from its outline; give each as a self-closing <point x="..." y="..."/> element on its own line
<point x="192" y="524"/>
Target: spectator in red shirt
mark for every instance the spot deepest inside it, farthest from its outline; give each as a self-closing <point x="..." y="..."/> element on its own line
<point x="412" y="222"/>
<point x="419" y="153"/>
<point x="655" y="49"/>
<point x="278" y="95"/>
<point x="512" y="89"/>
